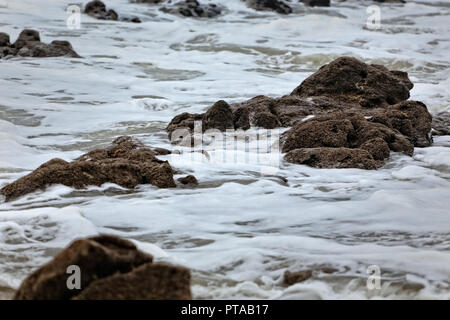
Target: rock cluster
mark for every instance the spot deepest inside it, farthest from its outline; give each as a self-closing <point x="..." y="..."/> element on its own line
<point x="126" y="163"/>
<point x="269" y="5"/>
<point x="97" y="9"/>
<point x="29" y="44"/>
<point x="110" y="268"/>
<point x="361" y="113"/>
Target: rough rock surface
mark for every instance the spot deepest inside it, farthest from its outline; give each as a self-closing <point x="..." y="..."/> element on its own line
<point x="193" y="8"/>
<point x="290" y="278"/>
<point x="97" y="9"/>
<point x="29" y="44"/>
<point x="110" y="268"/>
<point x="351" y="81"/>
<point x="126" y="163"/>
<point x="355" y="105"/>
<point x="441" y="124"/>
<point x="342" y="140"/>
<point x="271" y="5"/>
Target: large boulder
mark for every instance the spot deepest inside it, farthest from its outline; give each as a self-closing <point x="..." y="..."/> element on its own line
<point x="126" y="163"/>
<point x="269" y="5"/>
<point x="29" y="44"/>
<point x="110" y="268"/>
<point x="354" y="82"/>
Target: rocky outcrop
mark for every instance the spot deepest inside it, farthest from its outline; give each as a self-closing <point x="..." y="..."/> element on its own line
<point x="97" y="9"/>
<point x="110" y="268"/>
<point x="269" y="5"/>
<point x="352" y="82"/>
<point x="193" y="8"/>
<point x="342" y="140"/>
<point x="441" y="124"/>
<point x="356" y="106"/>
<point x="126" y="163"/>
<point x="29" y="44"/>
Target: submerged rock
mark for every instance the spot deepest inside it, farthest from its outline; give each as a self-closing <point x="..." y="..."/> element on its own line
<point x="110" y="268"/>
<point x="188" y="180"/>
<point x="291" y="278"/>
<point x="29" y="44"/>
<point x="269" y="5"/>
<point x="193" y="8"/>
<point x="126" y="163"/>
<point x="441" y="124"/>
<point x="97" y="9"/>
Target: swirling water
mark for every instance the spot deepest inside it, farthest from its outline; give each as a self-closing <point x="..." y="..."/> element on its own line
<point x="238" y="231"/>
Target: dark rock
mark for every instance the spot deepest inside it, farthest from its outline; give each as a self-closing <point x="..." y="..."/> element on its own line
<point x="291" y="278"/>
<point x="269" y="5"/>
<point x="126" y="163"/>
<point x="192" y="8"/>
<point x="317" y="3"/>
<point x="97" y="9"/>
<point x="316" y="137"/>
<point x="111" y="268"/>
<point x="29" y="44"/>
<point x="411" y="118"/>
<point x="219" y="116"/>
<point x="332" y="158"/>
<point x="441" y="124"/>
<point x="4" y="40"/>
<point x="188" y="180"/>
<point x="182" y="126"/>
<point x="161" y="151"/>
<point x="350" y="81"/>
<point x="156" y="281"/>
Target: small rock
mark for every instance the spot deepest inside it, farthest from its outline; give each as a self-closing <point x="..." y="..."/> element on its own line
<point x="188" y="180"/>
<point x="219" y="116"/>
<point x="271" y="5"/>
<point x="317" y="3"/>
<point x="441" y="124"/>
<point x="291" y="278"/>
<point x="193" y="8"/>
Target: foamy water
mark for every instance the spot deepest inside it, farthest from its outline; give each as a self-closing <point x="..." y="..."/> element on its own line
<point x="238" y="231"/>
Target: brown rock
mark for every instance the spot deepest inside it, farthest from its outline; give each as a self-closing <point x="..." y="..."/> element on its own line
<point x="269" y="5"/>
<point x="291" y="278"/>
<point x="110" y="268"/>
<point x="219" y="116"/>
<point x="188" y="180"/>
<point x="97" y="257"/>
<point x="4" y="40"/>
<point x="332" y="158"/>
<point x="156" y="281"/>
<point x="193" y="8"/>
<point x="350" y="81"/>
<point x="441" y="124"/>
<point x="126" y="163"/>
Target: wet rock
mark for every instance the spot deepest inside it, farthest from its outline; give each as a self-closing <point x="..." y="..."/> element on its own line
<point x="269" y="5"/>
<point x="97" y="9"/>
<point x="332" y="158"/>
<point x="193" y="8"/>
<point x="111" y="268"/>
<point x="317" y="3"/>
<point x="182" y="125"/>
<point x="126" y="163"/>
<point x="161" y="151"/>
<point x="291" y="278"/>
<point x="219" y="116"/>
<point x="441" y="124"/>
<point x="188" y="180"/>
<point x="29" y="44"/>
<point x="411" y="118"/>
<point x="352" y="82"/>
<point x="316" y="137"/>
